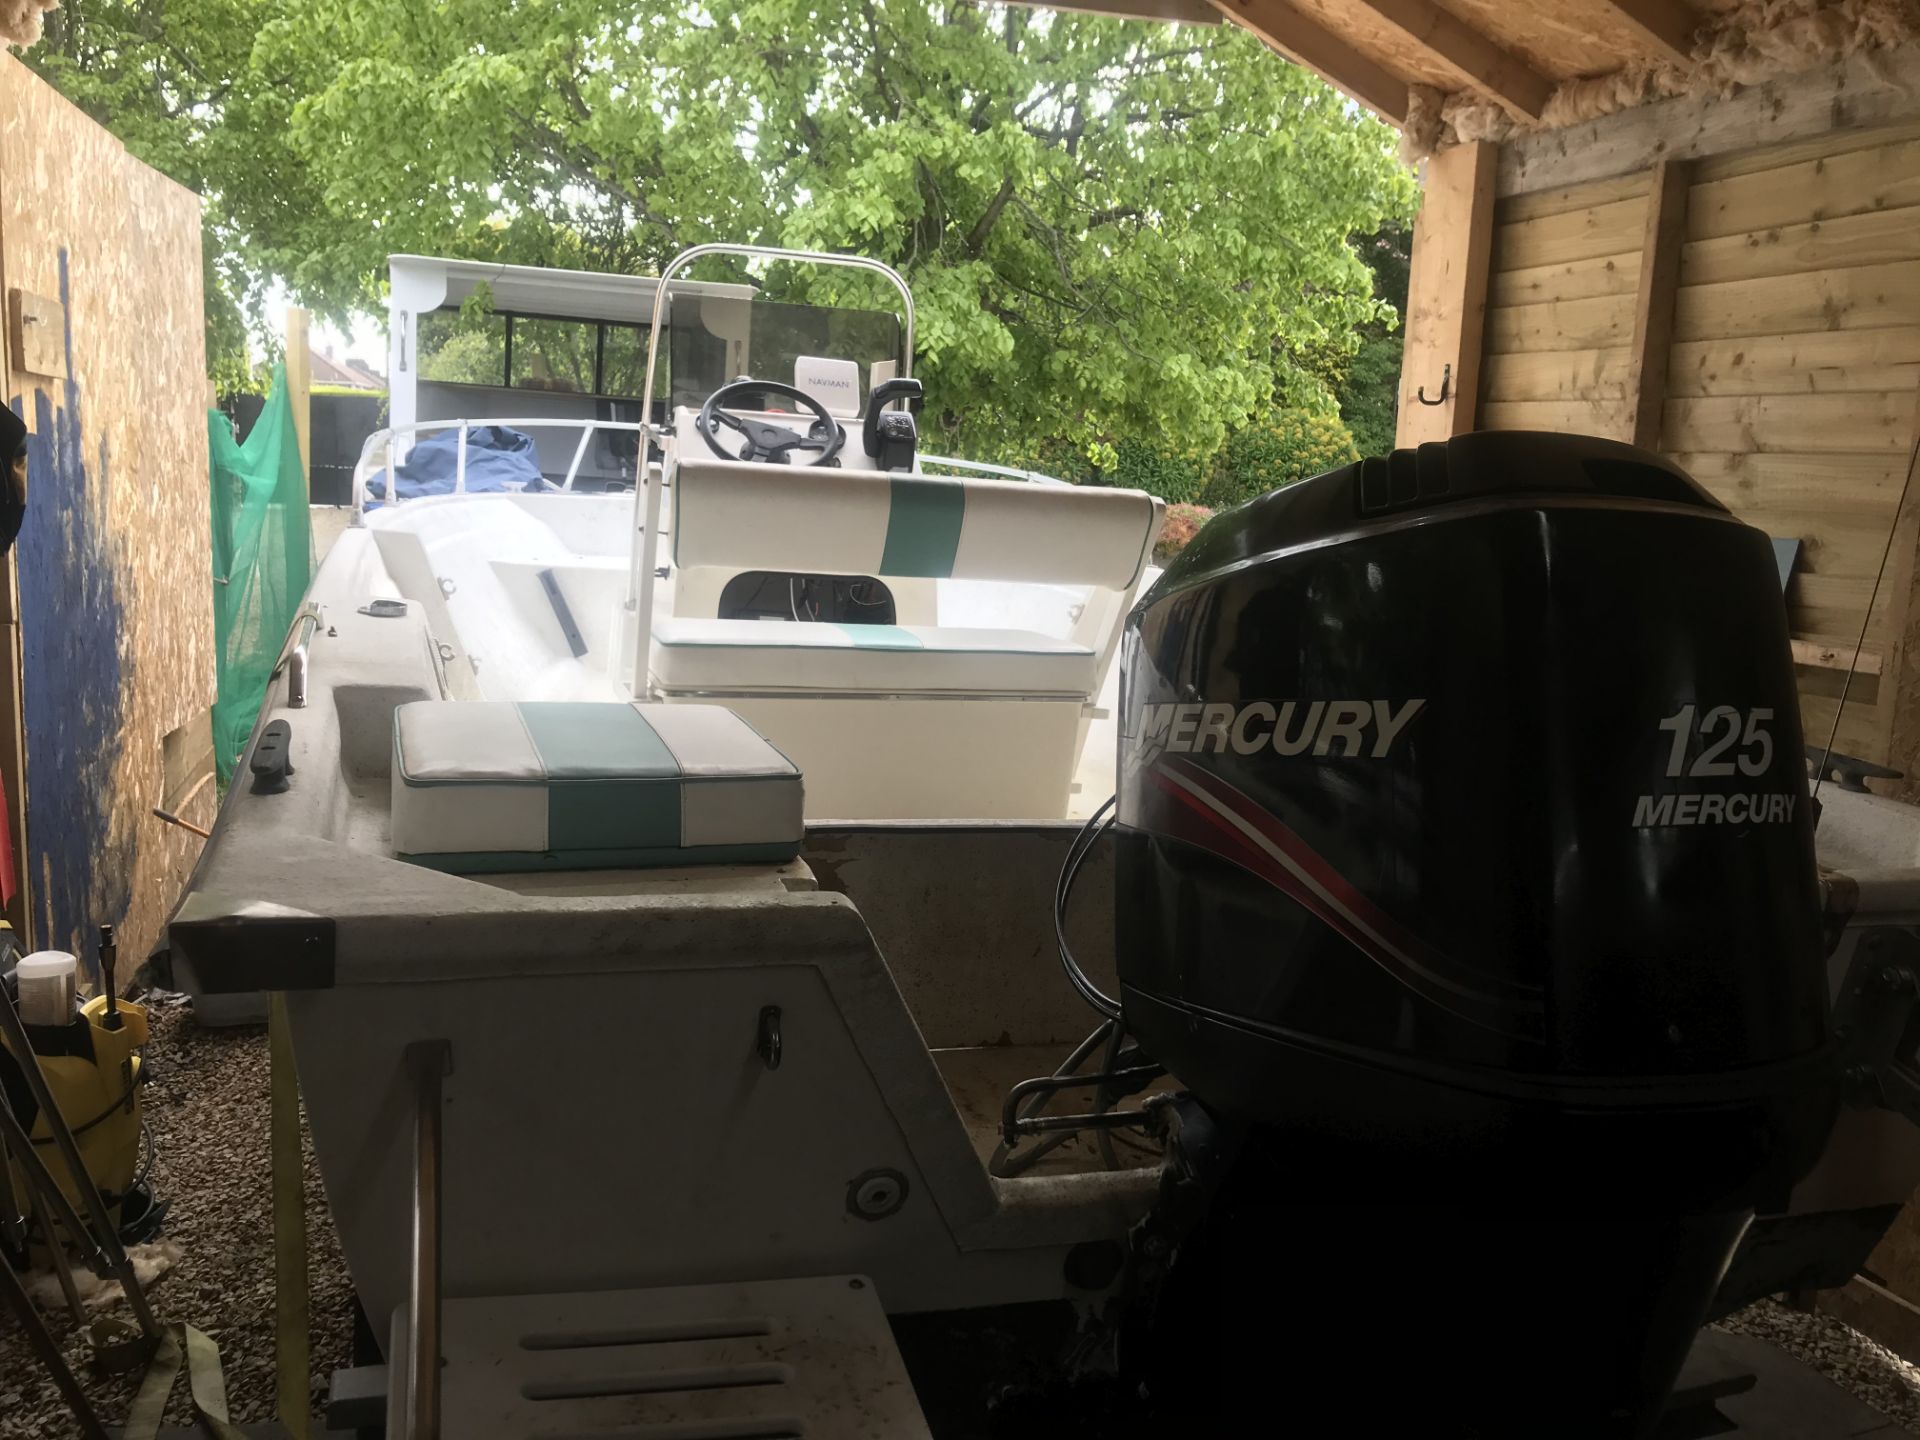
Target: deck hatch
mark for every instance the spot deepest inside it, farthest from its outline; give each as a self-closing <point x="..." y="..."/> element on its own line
<point x="753" y="1360"/>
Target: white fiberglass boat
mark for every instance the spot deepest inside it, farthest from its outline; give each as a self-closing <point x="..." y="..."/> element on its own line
<point x="666" y="820"/>
<point x="510" y="795"/>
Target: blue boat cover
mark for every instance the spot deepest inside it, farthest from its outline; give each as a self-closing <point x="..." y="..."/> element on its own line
<point x="498" y="458"/>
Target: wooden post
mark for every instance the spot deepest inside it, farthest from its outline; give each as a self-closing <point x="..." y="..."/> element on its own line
<point x="1447" y="296"/>
<point x="1666" y="232"/>
<point x="300" y="389"/>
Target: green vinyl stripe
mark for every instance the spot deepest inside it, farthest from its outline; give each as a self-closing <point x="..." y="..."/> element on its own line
<point x="923" y="526"/>
<point x="594" y="740"/>
<point x="880" y="637"/>
<point x="612" y="783"/>
<point x="605" y="814"/>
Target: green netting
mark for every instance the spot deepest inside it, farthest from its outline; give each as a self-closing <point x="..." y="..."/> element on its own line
<point x="262" y="561"/>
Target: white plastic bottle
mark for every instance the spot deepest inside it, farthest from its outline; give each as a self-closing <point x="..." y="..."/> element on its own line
<point x="47" y="980"/>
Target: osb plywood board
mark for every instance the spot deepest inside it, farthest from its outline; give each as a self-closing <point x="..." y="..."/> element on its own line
<point x="1377" y="39"/>
<point x="115" y="557"/>
<point x="1559" y="39"/>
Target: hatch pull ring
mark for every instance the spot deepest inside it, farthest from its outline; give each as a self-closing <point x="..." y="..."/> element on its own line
<point x="1446" y="383"/>
<point x="768" y="1043"/>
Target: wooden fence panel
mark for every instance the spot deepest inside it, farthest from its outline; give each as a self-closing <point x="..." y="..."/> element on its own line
<point x="115" y="560"/>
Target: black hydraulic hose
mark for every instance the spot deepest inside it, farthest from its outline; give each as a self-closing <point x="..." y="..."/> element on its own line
<point x="1097" y="825"/>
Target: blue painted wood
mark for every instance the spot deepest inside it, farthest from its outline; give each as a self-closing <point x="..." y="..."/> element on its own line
<point x="71" y="628"/>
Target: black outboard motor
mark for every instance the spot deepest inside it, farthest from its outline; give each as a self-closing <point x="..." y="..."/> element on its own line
<point x="1466" y="879"/>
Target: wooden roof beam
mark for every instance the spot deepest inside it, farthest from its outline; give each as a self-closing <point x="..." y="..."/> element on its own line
<point x="1479" y="63"/>
<point x="1666" y="27"/>
<point x="1308" y="43"/>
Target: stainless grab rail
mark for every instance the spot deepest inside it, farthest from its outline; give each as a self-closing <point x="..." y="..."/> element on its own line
<point x="427" y="1063"/>
<point x="381" y="445"/>
<point x="300" y="638"/>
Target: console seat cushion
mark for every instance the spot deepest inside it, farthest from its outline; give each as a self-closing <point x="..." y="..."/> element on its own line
<point x="482" y="786"/>
<point x="811" y="656"/>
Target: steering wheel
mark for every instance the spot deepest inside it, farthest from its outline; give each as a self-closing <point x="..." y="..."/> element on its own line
<point x="773" y="444"/>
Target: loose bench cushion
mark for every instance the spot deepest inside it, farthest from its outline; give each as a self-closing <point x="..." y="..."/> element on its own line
<point x="483" y="786"/>
<point x="808" y="656"/>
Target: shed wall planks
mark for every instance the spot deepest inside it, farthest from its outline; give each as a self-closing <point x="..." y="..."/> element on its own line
<point x="114" y="561"/>
<point x="1566" y="267"/>
<point x="1792" y="374"/>
<point x="1569" y="280"/>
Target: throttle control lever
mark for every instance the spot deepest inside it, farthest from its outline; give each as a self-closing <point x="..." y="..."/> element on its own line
<point x="891" y="436"/>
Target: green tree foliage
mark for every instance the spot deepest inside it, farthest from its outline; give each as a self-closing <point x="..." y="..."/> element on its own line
<point x="466" y="357"/>
<point x="1113" y="229"/>
<point x="1370" y="390"/>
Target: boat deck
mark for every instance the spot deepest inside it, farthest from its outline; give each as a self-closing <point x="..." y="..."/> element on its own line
<point x="979" y="1078"/>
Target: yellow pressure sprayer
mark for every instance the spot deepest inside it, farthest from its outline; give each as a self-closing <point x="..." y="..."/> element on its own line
<point x="93" y="1068"/>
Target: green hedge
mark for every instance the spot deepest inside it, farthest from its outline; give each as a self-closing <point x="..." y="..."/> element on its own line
<point x="1293" y="445"/>
<point x="1176" y="479"/>
<point x="1289" y="446"/>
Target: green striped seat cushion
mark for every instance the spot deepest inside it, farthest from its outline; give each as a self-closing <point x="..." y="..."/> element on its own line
<point x="482" y="786"/>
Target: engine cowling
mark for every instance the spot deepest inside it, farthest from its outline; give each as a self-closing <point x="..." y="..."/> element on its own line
<point x="1466" y="856"/>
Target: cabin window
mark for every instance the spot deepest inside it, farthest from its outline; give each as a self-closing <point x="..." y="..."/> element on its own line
<point x="554" y="355"/>
<point x="536" y="352"/>
<point x="474" y="345"/>
<point x="457" y="349"/>
<point x="623" y="367"/>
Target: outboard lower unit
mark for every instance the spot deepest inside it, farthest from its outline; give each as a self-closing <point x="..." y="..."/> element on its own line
<point x="1466" y="880"/>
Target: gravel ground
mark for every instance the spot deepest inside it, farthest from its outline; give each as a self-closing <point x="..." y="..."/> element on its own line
<point x="207" y="1101"/>
<point x="1869" y="1371"/>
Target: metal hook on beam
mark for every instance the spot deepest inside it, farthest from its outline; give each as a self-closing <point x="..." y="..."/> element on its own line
<point x="1446" y="383"/>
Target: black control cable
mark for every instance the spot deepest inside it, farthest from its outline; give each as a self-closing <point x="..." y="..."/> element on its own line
<point x="1866" y="620"/>
<point x="1097" y="825"/>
